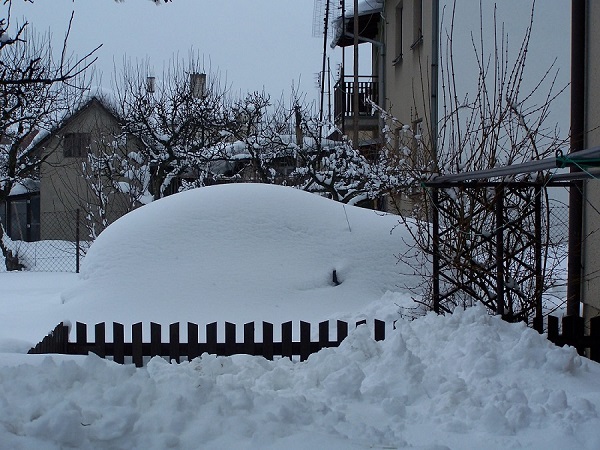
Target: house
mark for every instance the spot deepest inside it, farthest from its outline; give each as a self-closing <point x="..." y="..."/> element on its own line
<point x="402" y="37"/>
<point x="67" y="179"/>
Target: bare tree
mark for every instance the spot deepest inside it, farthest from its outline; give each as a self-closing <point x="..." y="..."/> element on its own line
<point x="501" y="124"/>
<point x="36" y="91"/>
<point x="181" y="119"/>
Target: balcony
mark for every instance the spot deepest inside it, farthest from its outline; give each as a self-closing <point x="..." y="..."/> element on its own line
<point x="368" y="89"/>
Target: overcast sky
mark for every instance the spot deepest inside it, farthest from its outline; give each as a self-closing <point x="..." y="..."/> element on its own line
<point x="270" y="43"/>
<point x="253" y="43"/>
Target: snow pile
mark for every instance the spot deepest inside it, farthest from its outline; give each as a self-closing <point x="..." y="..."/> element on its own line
<point x="465" y="381"/>
<point x="239" y="252"/>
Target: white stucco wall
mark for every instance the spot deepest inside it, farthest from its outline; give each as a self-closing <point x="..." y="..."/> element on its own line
<point x="591" y="204"/>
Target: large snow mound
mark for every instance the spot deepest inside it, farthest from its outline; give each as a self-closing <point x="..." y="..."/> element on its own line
<point x="239" y="252"/>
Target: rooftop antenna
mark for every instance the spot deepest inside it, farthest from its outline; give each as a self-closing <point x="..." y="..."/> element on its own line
<point x="322" y="8"/>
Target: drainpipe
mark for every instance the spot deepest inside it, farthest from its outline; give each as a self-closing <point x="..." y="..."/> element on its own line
<point x="325" y="29"/>
<point x="433" y="107"/>
<point x="381" y="70"/>
<point x="578" y="37"/>
<point x="355" y="87"/>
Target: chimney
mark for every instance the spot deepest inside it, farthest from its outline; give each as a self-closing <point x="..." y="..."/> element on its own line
<point x="198" y="84"/>
<point x="150" y="84"/>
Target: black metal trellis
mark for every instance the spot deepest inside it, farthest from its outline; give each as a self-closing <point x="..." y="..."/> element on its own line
<point x="487" y="244"/>
<point x="586" y="164"/>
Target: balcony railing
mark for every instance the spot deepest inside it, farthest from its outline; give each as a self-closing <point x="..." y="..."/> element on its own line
<point x="368" y="89"/>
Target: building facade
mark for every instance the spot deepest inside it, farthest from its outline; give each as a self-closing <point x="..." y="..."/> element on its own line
<point x="402" y="37"/>
<point x="590" y="245"/>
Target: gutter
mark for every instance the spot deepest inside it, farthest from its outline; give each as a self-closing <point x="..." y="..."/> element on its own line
<point x="433" y="107"/>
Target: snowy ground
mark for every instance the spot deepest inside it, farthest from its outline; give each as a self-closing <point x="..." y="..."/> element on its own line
<point x="245" y="253"/>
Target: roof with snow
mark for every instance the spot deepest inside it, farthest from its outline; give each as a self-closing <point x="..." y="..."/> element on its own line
<point x="369" y="14"/>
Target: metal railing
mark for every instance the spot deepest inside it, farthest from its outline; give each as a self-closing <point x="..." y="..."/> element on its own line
<point x="367" y="88"/>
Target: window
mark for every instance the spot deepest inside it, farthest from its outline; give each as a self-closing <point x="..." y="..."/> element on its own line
<point x="18" y="220"/>
<point x="75" y="145"/>
<point x="20" y="216"/>
<point x="417" y="23"/>
<point x="399" y="31"/>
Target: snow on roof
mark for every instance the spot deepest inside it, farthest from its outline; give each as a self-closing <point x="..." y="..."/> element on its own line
<point x="25" y="186"/>
<point x="365" y="8"/>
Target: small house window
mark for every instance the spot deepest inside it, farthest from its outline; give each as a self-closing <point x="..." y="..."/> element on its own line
<point x="75" y="145"/>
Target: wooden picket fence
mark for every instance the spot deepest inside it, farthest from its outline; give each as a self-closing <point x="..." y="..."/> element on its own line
<point x="573" y="334"/>
<point x="57" y="341"/>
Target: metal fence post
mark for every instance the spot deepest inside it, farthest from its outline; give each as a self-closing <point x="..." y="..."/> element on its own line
<point x="436" y="251"/>
<point x="77" y="241"/>
<point x="538" y="320"/>
<point x="500" y="306"/>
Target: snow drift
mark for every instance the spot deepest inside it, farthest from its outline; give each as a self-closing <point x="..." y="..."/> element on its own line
<point x="240" y="252"/>
<point x="464" y="381"/>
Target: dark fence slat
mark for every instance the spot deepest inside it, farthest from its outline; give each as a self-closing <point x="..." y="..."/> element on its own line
<point x="249" y="341"/>
<point x="595" y="339"/>
<point x="304" y="340"/>
<point x="136" y="344"/>
<point x="573" y="331"/>
<point x="267" y="340"/>
<point x="553" y="329"/>
<point x="100" y="339"/>
<point x="211" y="338"/>
<point x="51" y="341"/>
<point x="342" y="331"/>
<point x="193" y="347"/>
<point x="286" y="339"/>
<point x="230" y="338"/>
<point x="81" y="338"/>
<point x="63" y="338"/>
<point x="118" y="343"/>
<point x="55" y="339"/>
<point x="174" y="342"/>
<point x="379" y="330"/>
<point x="324" y="334"/>
<point x="155" y="339"/>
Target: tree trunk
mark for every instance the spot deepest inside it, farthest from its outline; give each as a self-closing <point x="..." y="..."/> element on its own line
<point x="11" y="261"/>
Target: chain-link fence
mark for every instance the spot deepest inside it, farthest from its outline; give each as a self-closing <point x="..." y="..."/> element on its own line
<point x="62" y="245"/>
<point x="556" y="262"/>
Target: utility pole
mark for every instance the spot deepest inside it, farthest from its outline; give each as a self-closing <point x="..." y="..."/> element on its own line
<point x="322" y="80"/>
<point x="355" y="84"/>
